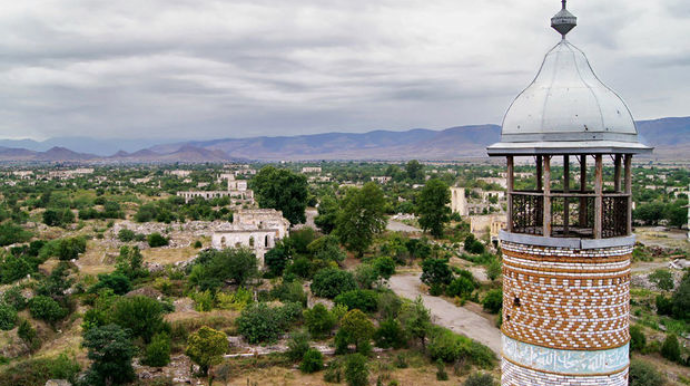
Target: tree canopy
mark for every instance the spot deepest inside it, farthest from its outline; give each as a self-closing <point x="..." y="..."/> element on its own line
<point x="361" y="217"/>
<point x="282" y="190"/>
<point x="432" y="207"/>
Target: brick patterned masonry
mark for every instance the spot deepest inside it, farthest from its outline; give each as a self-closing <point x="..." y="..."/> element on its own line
<point x="561" y="301"/>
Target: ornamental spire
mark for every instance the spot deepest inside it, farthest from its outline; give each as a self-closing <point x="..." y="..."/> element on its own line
<point x="563" y="21"/>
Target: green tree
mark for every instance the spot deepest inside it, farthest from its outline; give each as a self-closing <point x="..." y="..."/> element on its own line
<point x="71" y="248"/>
<point x="361" y="218"/>
<point x="432" y="207"/>
<point x="327" y="214"/>
<point x="206" y="348"/>
<point x="47" y="309"/>
<point x="384" y="266"/>
<point x="319" y="320"/>
<point x="357" y="327"/>
<point x="390" y="334"/>
<point x="260" y="323"/>
<point x="215" y="267"/>
<point x="638" y="341"/>
<point x="416" y="319"/>
<point x="671" y="348"/>
<point x="12" y="234"/>
<point x="356" y="370"/>
<point x="297" y="345"/>
<point x="282" y="190"/>
<point x="493" y="269"/>
<point x="414" y="171"/>
<point x="158" y="351"/>
<point x="436" y="272"/>
<point x="8" y="317"/>
<point x="312" y="361"/>
<point x="461" y="287"/>
<point x="111" y="352"/>
<point x="643" y="373"/>
<point x="331" y="282"/>
<point x="681" y="299"/>
<point x="143" y="316"/>
<point x="493" y="301"/>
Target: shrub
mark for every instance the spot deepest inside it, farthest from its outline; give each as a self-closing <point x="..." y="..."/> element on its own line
<point x="237" y="300"/>
<point x="681" y="299"/>
<point x="64" y="367"/>
<point x="111" y="352"/>
<point x="319" y="320"/>
<point x="637" y="338"/>
<point x="356" y="370"/>
<point x="331" y="282"/>
<point x="664" y="305"/>
<point x="364" y="300"/>
<point x="436" y="271"/>
<point x="644" y="374"/>
<point x="29" y="335"/>
<point x="493" y="301"/>
<point x="8" y="317"/>
<point x="47" y="309"/>
<point x="14" y="298"/>
<point x="334" y="372"/>
<point x="482" y="356"/>
<point x="461" y="287"/>
<point x="158" y="351"/>
<point x="260" y="323"/>
<point x="290" y="292"/>
<point x="203" y="301"/>
<point x="118" y="282"/>
<point x="70" y="249"/>
<point x="156" y="240"/>
<point x="671" y="348"/>
<point x="384" y="266"/>
<point x="663" y="279"/>
<point x="449" y="347"/>
<point x="441" y="374"/>
<point x="390" y="334"/>
<point x="197" y="244"/>
<point x="312" y="361"/>
<point x="366" y="276"/>
<point x="473" y="245"/>
<point x="357" y="327"/>
<point x="479" y="379"/>
<point x="126" y="235"/>
<point x="297" y="345"/>
<point x="215" y="267"/>
<point x="388" y="304"/>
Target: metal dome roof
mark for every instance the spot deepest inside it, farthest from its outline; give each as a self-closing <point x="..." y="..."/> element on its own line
<point x="567" y="109"/>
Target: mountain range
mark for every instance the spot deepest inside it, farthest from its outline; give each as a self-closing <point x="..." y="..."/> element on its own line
<point x="669" y="136"/>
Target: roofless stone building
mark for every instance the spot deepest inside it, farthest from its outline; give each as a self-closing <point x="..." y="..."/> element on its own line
<point x="567" y="246"/>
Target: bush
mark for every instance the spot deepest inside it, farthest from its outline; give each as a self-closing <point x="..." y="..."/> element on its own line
<point x="156" y="240"/>
<point x="206" y="347"/>
<point x="366" y="276"/>
<point x="671" y="348"/>
<point x="47" y="309"/>
<point x="390" y="334"/>
<point x="297" y="345"/>
<point x="290" y="292"/>
<point x="111" y="352"/>
<point x="70" y="249"/>
<point x="441" y="374"/>
<point x="237" y="300"/>
<point x="259" y="323"/>
<point x="215" y="267"/>
<point x="449" y="347"/>
<point x="436" y="271"/>
<point x="461" y="287"/>
<point x="644" y="374"/>
<point x="14" y="298"/>
<point x="126" y="235"/>
<point x="356" y="370"/>
<point x="681" y="299"/>
<point x="319" y="320"/>
<point x="663" y="279"/>
<point x="493" y="301"/>
<point x="8" y="317"/>
<point x="357" y="328"/>
<point x="384" y="266"/>
<point x="637" y="338"/>
<point x="312" y="361"/>
<point x="479" y="379"/>
<point x="664" y="305"/>
<point x="365" y="300"/>
<point x="158" y="351"/>
<point x="331" y="282"/>
<point x="473" y="245"/>
<point x="29" y="335"/>
<point x="118" y="282"/>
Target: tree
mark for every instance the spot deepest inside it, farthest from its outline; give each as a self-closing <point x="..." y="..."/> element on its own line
<point x="638" y="341"/>
<point x="319" y="320"/>
<point x="357" y="327"/>
<point x="206" y="348"/>
<point x="297" y="345"/>
<point x="70" y="249"/>
<point x="414" y="171"/>
<point x="356" y="370"/>
<point x="331" y="282"/>
<point x="677" y="213"/>
<point x="365" y="300"/>
<point x="416" y="319"/>
<point x="116" y="281"/>
<point x="472" y="245"/>
<point x="493" y="270"/>
<point x="158" y="351"/>
<point x="312" y="361"/>
<point x="328" y="212"/>
<point x="58" y="217"/>
<point x="681" y="299"/>
<point x="8" y="317"/>
<point x="215" y="267"/>
<point x="390" y="334"/>
<point x="12" y="234"/>
<point x="671" y="348"/>
<point x="432" y="207"/>
<point x="282" y="190"/>
<point x="493" y="301"/>
<point x="261" y="323"/>
<point x="47" y="309"/>
<point x="644" y="374"/>
<point x="436" y="272"/>
<point x="143" y="316"/>
<point x="361" y="218"/>
<point x="111" y="352"/>
<point x="13" y="268"/>
<point x="384" y="266"/>
<point x="461" y="287"/>
<point x="277" y="259"/>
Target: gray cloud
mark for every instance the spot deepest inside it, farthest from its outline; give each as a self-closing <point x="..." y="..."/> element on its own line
<point x="212" y="68"/>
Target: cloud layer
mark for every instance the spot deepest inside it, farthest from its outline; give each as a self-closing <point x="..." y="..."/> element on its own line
<point x="212" y="68"/>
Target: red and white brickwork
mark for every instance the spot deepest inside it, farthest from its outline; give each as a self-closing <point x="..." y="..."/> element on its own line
<point x="565" y="299"/>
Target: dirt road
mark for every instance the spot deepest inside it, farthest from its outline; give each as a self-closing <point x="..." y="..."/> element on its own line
<point x="447" y="314"/>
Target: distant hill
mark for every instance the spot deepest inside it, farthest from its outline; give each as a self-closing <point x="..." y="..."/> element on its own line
<point x="669" y="136"/>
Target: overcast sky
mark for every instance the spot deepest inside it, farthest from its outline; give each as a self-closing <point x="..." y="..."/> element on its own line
<point x="174" y="69"/>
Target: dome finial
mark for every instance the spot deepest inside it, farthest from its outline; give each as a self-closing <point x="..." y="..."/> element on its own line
<point x="563" y="21"/>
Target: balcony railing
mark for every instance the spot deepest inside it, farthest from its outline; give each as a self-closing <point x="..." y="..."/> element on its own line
<point x="571" y="214"/>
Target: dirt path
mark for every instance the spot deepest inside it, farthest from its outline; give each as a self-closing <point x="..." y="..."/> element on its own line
<point x="448" y="315"/>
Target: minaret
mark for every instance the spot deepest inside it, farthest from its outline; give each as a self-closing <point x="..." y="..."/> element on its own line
<point x="566" y="252"/>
